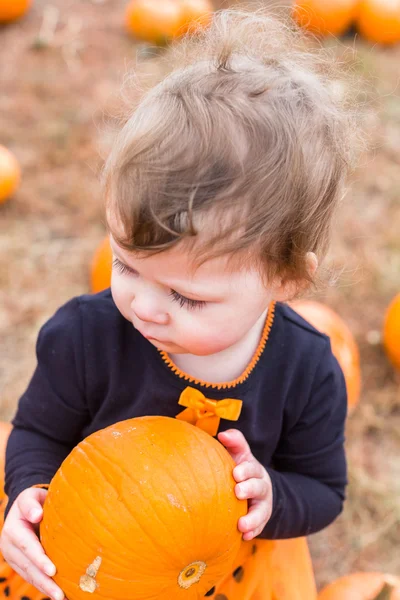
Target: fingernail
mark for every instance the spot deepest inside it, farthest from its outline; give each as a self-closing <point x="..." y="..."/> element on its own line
<point x="59" y="596"/>
<point x="239" y="491"/>
<point x="36" y="513"/>
<point x="49" y="569"/>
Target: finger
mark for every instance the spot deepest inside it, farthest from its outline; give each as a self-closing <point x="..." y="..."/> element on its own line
<point x="247" y="470"/>
<point x="25" y="540"/>
<point x="255" y="520"/>
<point x="252" y="488"/>
<point x="31" y="505"/>
<point x="30" y="573"/>
<point x="236" y="444"/>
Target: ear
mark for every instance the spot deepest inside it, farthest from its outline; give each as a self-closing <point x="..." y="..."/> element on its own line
<point x="312" y="263"/>
<point x="286" y="289"/>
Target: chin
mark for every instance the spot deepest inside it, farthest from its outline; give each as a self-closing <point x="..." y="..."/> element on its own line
<point x="168" y="347"/>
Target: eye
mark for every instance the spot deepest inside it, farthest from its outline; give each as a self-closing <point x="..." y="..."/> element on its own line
<point x="188" y="302"/>
<point x="121" y="268"/>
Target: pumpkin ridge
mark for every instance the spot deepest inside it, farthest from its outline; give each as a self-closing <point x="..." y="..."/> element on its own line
<point x="75" y="534"/>
<point x="164" y="467"/>
<point x="157" y="548"/>
<point x="78" y="536"/>
<point x="212" y="473"/>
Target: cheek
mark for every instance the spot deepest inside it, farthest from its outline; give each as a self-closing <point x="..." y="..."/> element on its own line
<point x="209" y="333"/>
<point x="120" y="294"/>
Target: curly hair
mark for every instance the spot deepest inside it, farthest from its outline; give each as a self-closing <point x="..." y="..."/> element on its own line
<point x="243" y="148"/>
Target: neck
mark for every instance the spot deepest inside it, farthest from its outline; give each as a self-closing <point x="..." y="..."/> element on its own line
<point x="226" y="365"/>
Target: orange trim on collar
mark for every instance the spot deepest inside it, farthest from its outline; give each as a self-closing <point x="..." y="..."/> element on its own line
<point x="228" y="384"/>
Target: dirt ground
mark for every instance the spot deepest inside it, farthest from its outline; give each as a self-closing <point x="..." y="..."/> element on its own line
<point x="60" y="68"/>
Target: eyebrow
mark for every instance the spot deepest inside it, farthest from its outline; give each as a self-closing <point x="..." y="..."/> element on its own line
<point x="190" y="294"/>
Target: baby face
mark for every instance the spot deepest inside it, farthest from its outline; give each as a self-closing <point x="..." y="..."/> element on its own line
<point x="183" y="309"/>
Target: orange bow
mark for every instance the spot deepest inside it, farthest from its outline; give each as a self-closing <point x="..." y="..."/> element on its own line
<point x="206" y="413"/>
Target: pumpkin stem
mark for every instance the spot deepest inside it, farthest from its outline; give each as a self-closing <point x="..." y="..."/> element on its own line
<point x="191" y="574"/>
<point x="385" y="592"/>
<point x="88" y="582"/>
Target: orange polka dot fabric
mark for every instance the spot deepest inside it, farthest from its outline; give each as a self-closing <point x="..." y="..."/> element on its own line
<point x="269" y="570"/>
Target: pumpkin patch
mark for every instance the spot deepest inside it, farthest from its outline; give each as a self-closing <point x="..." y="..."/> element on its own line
<point x="153" y="498"/>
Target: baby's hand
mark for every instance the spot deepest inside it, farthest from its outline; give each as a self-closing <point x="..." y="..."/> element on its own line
<point x="254" y="483"/>
<point x="20" y="545"/>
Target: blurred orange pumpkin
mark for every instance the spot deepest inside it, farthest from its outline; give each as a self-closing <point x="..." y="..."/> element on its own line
<point x="325" y="16"/>
<point x="154" y="21"/>
<point x="100" y="271"/>
<point x="158" y="22"/>
<point x="195" y="14"/>
<point x="10" y="172"/>
<point x="344" y="346"/>
<point x="13" y="9"/>
<point x="362" y="586"/>
<point x="391" y="331"/>
<point x="379" y="20"/>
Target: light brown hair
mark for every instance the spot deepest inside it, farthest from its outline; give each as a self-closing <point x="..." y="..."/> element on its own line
<point x="250" y="136"/>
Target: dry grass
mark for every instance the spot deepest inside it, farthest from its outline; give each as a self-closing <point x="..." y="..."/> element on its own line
<point x="62" y="66"/>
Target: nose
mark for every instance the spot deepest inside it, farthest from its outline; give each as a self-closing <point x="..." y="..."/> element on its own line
<point x="147" y="309"/>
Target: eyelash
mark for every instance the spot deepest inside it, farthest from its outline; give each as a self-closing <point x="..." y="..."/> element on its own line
<point x="183" y="301"/>
<point x="188" y="302"/>
<point x="121" y="268"/>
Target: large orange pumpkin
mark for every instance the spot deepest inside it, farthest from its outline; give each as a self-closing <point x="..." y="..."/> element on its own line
<point x="363" y="586"/>
<point x="391" y="331"/>
<point x="344" y="346"/>
<point x="100" y="270"/>
<point x="10" y="10"/>
<point x="325" y="16"/>
<point x="10" y="172"/>
<point x="143" y="509"/>
<point x="379" y="20"/>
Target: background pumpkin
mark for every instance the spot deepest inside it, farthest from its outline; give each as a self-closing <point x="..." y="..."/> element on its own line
<point x="154" y="21"/>
<point x="148" y="524"/>
<point x="13" y="9"/>
<point x="344" y="346"/>
<point x="10" y="172"/>
<point x="391" y="331"/>
<point x="379" y="20"/>
<point x="325" y="16"/>
<point x="362" y="586"/>
<point x="100" y="269"/>
<point x="195" y="14"/>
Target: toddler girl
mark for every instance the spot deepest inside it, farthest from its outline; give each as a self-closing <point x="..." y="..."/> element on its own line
<point x="220" y="191"/>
